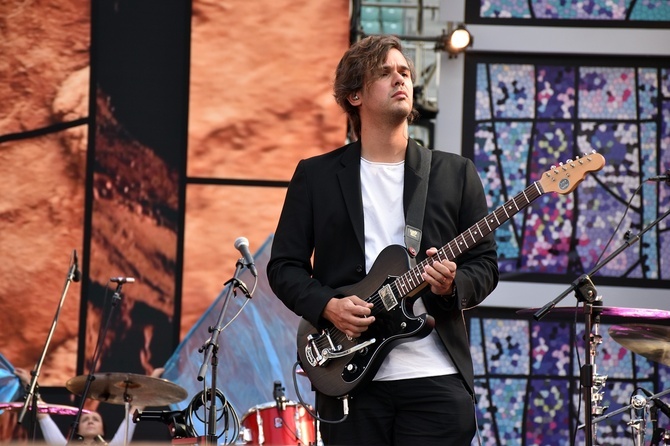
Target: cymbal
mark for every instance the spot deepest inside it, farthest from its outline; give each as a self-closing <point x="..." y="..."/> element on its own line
<point x="53" y="409"/>
<point x="648" y="340"/>
<point x="647" y="314"/>
<point x="119" y="388"/>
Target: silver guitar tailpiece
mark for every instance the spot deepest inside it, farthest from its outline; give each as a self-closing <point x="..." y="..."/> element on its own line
<point x="317" y="356"/>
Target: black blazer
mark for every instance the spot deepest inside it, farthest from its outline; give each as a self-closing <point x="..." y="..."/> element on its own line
<point x="319" y="242"/>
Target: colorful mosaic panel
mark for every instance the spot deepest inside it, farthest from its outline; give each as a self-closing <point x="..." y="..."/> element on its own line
<point x="607" y="93"/>
<point x="597" y="10"/>
<point x="555" y="92"/>
<point x="529" y="117"/>
<point x="512" y="90"/>
<point x="528" y="374"/>
<point x="486" y="158"/>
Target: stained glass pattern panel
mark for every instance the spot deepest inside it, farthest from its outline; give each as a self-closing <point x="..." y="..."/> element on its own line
<point x="528" y="374"/>
<point x="561" y="10"/>
<point x="529" y="117"/>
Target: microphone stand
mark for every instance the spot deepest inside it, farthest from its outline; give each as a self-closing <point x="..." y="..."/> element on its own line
<point x="586" y="292"/>
<point x="116" y="298"/>
<point x="33" y="396"/>
<point x="211" y="348"/>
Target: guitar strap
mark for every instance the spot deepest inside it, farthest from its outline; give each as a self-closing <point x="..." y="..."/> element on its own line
<point x="417" y="206"/>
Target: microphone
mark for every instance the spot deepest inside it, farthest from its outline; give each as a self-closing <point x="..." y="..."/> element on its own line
<point x="661" y="178"/>
<point x="278" y="395"/>
<point x="242" y="245"/>
<point x="122" y="280"/>
<point x="76" y="274"/>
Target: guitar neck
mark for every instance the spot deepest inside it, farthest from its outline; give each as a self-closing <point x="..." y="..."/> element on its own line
<point x="412" y="280"/>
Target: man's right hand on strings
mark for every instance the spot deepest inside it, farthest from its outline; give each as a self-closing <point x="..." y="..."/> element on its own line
<point x="350" y="315"/>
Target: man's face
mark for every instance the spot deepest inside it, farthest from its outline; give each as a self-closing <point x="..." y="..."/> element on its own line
<point x="389" y="95"/>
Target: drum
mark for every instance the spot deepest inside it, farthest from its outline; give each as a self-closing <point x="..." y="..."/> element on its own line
<point x="265" y="424"/>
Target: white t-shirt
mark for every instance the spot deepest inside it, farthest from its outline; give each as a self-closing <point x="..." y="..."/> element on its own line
<point x="382" y="189"/>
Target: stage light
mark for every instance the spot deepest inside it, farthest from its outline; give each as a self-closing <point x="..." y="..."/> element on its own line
<point x="455" y="41"/>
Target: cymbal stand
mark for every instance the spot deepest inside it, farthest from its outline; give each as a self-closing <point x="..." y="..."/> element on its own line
<point x="127" y="399"/>
<point x="116" y="298"/>
<point x="586" y="292"/>
<point x="210" y="349"/>
<point x="33" y="396"/>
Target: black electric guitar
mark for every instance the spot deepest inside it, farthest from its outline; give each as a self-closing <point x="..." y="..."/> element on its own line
<point x="336" y="365"/>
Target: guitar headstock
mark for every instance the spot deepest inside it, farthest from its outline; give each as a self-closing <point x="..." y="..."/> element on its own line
<point x="565" y="177"/>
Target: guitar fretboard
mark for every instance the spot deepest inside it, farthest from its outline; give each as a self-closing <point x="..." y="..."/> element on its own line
<point x="412" y="279"/>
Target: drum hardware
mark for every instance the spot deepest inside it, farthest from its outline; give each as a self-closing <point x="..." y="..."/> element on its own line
<point x="658" y="434"/>
<point x="267" y="424"/>
<point x="611" y="314"/>
<point x="121" y="388"/>
<point x="51" y="409"/>
<point x="174" y="419"/>
<point x="279" y="395"/>
<point x="597" y="381"/>
<point x="638" y="408"/>
<point x="652" y="342"/>
<point x="279" y="422"/>
<point x="648" y="340"/>
<point x="585" y="292"/>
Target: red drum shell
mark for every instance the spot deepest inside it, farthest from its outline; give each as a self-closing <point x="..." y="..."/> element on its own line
<point x="265" y="425"/>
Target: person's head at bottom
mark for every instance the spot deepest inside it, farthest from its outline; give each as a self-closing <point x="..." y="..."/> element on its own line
<point x="91" y="428"/>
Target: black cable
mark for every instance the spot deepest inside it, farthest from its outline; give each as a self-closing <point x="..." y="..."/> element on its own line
<point x="620" y="222"/>
<point x="225" y="408"/>
<point x="345" y="401"/>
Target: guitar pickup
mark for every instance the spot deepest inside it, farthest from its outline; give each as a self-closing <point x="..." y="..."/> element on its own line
<point x="388" y="298"/>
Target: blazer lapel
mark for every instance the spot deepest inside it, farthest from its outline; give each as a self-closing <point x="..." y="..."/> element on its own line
<point x="350" y="183"/>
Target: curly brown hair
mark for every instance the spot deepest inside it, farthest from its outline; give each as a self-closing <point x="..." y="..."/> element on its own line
<point x="359" y="67"/>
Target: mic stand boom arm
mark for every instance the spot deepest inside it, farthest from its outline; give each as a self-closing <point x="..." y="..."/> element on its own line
<point x="586" y="292"/>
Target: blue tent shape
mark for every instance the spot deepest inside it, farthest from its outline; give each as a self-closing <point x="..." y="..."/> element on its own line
<point x="9" y="382"/>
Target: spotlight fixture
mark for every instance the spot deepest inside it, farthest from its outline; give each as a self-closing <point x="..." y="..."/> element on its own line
<point x="455" y="41"/>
